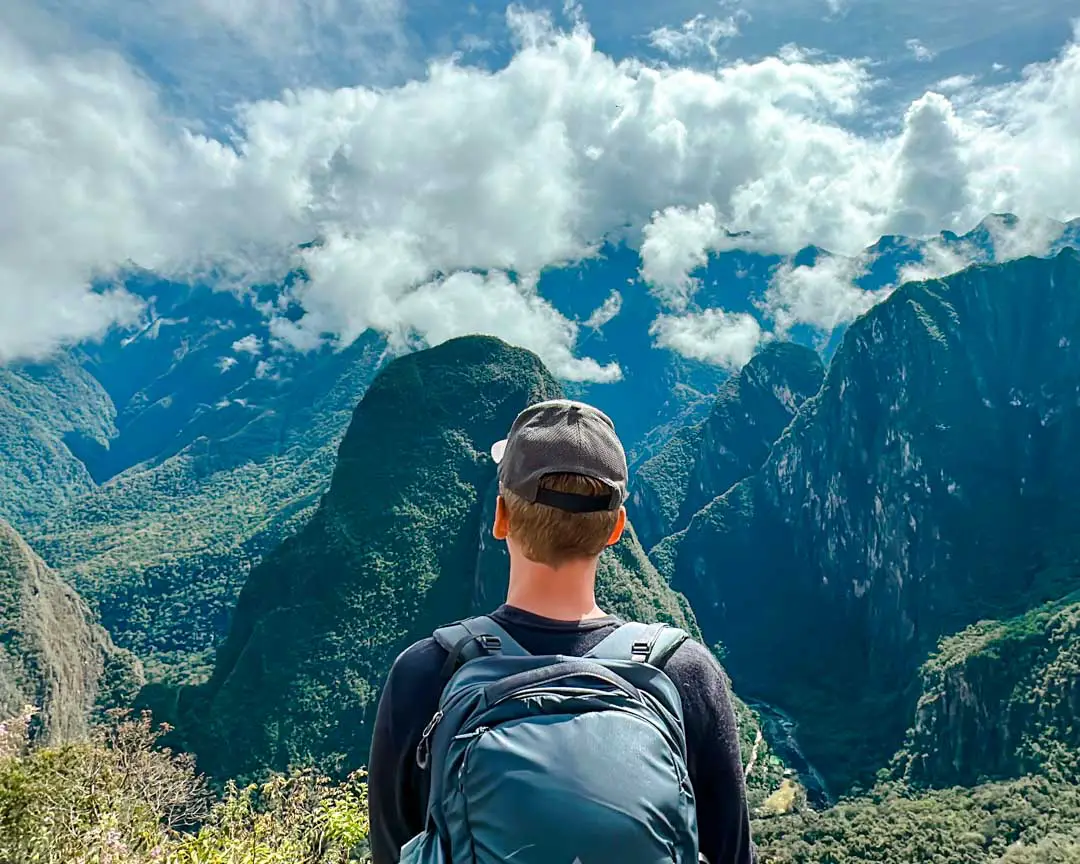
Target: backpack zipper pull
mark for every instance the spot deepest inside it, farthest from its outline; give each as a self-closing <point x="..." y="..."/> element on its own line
<point x="423" y="749"/>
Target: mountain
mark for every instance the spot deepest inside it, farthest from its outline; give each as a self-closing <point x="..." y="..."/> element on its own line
<point x="930" y="484"/>
<point x="1000" y="700"/>
<point x="400" y="543"/>
<point x="40" y="406"/>
<point x="163" y="548"/>
<point x="706" y="459"/>
<point x="154" y="468"/>
<point x="53" y="655"/>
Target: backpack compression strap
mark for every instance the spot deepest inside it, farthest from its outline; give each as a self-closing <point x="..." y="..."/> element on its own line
<point x="474" y="637"/>
<point x="646" y="643"/>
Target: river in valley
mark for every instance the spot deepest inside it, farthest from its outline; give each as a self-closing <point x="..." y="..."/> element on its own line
<point x="780" y="730"/>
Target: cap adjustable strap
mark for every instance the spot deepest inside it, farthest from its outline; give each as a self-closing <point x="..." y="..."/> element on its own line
<point x="572" y="502"/>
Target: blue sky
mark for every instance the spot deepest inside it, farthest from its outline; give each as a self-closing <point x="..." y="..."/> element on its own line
<point x="207" y="62"/>
<point x="195" y="136"/>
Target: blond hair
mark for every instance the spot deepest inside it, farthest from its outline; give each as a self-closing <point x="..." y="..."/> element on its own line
<point x="555" y="537"/>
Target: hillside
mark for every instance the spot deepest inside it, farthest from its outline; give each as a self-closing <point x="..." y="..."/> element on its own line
<point x="163" y="549"/>
<point x="399" y="544"/>
<point x="929" y="485"/>
<point x="1000" y="700"/>
<point x="40" y="407"/>
<point x="53" y="655"/>
<point x="706" y="459"/>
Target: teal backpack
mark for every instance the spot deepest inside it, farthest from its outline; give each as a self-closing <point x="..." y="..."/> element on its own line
<point x="556" y="759"/>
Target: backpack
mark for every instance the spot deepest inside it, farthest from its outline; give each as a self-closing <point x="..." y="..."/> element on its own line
<point x="556" y="759"/>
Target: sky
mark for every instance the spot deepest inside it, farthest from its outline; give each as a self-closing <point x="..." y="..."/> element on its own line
<point x="445" y="154"/>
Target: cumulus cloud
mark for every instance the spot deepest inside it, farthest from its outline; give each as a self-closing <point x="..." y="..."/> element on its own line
<point x="932" y="179"/>
<point x="431" y="192"/>
<point x="250" y="344"/>
<point x="701" y="34"/>
<point x="713" y="335"/>
<point x="675" y="243"/>
<point x="823" y="295"/>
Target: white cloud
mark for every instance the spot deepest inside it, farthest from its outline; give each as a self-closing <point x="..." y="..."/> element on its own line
<point x="955" y="83"/>
<point x="725" y="338"/>
<point x="467" y="170"/>
<point x="921" y="52"/>
<point x="823" y="296"/>
<point x="469" y="303"/>
<point x="250" y="344"/>
<point x="1034" y="236"/>
<point x="932" y="178"/>
<point x="606" y="312"/>
<point x="700" y="34"/>
<point x="675" y="243"/>
<point x="938" y="260"/>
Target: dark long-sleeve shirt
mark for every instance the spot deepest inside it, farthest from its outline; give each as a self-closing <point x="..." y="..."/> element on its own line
<point x="398" y="788"/>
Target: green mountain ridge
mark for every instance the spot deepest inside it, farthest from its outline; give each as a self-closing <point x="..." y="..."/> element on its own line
<point x="1000" y="700"/>
<point x="53" y="654"/>
<point x="929" y="485"/>
<point x="706" y="459"/>
<point x="398" y="545"/>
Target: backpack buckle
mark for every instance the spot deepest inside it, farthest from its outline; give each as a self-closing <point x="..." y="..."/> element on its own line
<point x="640" y="651"/>
<point x="489" y="643"/>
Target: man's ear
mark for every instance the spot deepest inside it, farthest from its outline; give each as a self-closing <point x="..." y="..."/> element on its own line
<point x="620" y="526"/>
<point x="502" y="521"/>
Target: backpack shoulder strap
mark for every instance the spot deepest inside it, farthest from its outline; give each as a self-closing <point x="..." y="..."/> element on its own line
<point x="646" y="643"/>
<point x="474" y="637"/>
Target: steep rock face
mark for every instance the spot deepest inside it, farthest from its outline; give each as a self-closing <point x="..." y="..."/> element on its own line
<point x="930" y="484"/>
<point x="1001" y="699"/>
<point x="703" y="461"/>
<point x="398" y="545"/>
<point x="52" y="653"/>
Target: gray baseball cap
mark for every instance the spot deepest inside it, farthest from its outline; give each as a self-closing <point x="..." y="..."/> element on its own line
<point x="561" y="436"/>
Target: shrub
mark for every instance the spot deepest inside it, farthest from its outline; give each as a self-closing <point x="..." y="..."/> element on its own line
<point x="120" y="798"/>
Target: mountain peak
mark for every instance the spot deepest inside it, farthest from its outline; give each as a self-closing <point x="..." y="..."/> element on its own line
<point x="400" y="544"/>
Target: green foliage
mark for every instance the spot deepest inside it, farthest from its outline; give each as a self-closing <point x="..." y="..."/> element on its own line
<point x="162" y="550"/>
<point x="52" y="652"/>
<point x="999" y="700"/>
<point x="41" y="408"/>
<point x="117" y="797"/>
<point x="1031" y="820"/>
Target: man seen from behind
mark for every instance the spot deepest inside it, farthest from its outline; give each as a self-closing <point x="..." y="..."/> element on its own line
<point x="558" y="737"/>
